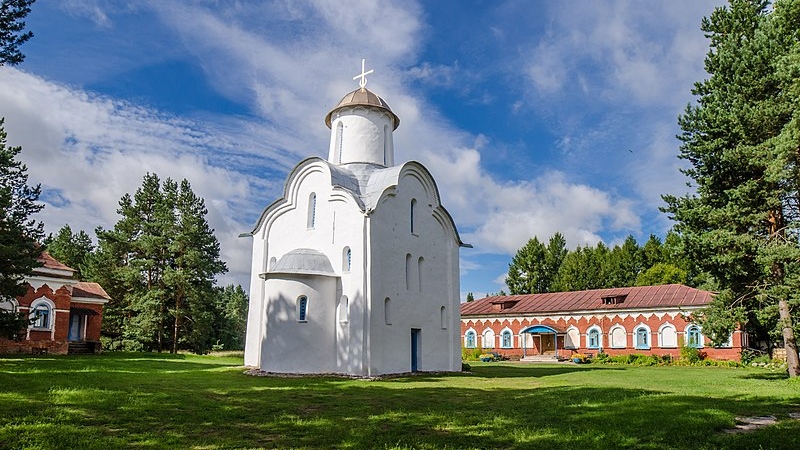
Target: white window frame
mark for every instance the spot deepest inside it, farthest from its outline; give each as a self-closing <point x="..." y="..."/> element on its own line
<point x="595" y="329"/>
<point x="510" y="333"/>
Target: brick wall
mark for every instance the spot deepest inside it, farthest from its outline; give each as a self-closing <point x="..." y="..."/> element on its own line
<point x="583" y="323"/>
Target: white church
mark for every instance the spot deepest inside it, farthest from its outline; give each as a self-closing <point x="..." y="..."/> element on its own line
<point x="355" y="268"/>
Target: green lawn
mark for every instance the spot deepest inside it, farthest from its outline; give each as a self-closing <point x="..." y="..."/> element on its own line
<point x="164" y="401"/>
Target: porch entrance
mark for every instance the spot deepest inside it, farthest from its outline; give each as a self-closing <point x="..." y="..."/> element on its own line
<point x="542" y="340"/>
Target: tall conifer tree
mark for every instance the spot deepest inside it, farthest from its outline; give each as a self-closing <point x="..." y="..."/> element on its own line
<point x="743" y="144"/>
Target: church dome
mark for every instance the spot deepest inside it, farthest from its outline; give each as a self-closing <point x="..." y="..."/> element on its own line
<point x="363" y="97"/>
<point x="304" y="261"/>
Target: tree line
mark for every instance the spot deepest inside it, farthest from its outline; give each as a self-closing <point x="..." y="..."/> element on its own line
<point x="539" y="268"/>
<point x="158" y="263"/>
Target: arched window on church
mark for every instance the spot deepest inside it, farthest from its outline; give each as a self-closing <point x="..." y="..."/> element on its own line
<point x="387" y="311"/>
<point x="344" y="309"/>
<point x="443" y="317"/>
<point x="346" y="259"/>
<point x="339" y="139"/>
<point x="312" y="210"/>
<point x="302" y="308"/>
<point x="413" y="212"/>
<point x="385" y="143"/>
<point x="408" y="271"/>
<point x="420" y="269"/>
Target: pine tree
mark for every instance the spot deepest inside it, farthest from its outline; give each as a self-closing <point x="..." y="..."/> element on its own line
<point x="12" y="13"/>
<point x="741" y="140"/>
<point x="72" y="249"/>
<point x="19" y="233"/>
<point x="230" y="317"/>
<point x="534" y="267"/>
<point x="161" y="259"/>
<point x="470" y="297"/>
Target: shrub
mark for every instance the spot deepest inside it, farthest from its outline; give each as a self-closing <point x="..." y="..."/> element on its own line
<point x="601" y="357"/>
<point x="465" y="367"/>
<point x="690" y="355"/>
<point x="470" y="354"/>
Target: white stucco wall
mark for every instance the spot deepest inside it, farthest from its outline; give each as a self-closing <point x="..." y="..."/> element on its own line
<point x="419" y="305"/>
<point x="290" y="345"/>
<point x="365" y="136"/>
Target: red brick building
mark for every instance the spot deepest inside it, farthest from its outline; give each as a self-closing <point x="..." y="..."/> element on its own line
<point x="646" y="320"/>
<point x="67" y="313"/>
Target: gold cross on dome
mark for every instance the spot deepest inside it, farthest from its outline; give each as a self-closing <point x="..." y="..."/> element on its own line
<point x="363" y="81"/>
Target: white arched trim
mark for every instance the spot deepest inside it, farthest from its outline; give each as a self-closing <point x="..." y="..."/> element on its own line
<point x="618" y="336"/>
<point x="487" y="338"/>
<point x="667" y="336"/>
<point x="573" y="338"/>
<point x="506" y="338"/>
<point x="470" y="338"/>
<point x="594" y="337"/>
<point x="10" y="305"/>
<point x="642" y="337"/>
<point x="43" y="313"/>
<point x="691" y="333"/>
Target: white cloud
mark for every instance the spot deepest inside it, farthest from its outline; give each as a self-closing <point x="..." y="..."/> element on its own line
<point x="87" y="151"/>
<point x="289" y="62"/>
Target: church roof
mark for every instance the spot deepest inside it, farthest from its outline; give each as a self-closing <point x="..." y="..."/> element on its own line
<point x="363" y="97"/>
<point x="640" y="297"/>
<point x="304" y="261"/>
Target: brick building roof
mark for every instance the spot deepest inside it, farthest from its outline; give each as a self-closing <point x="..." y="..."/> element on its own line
<point x="86" y="289"/>
<point x="645" y="297"/>
<point x="48" y="262"/>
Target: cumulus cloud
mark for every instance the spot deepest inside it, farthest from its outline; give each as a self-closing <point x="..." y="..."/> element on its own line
<point x="87" y="151"/>
<point x="289" y="63"/>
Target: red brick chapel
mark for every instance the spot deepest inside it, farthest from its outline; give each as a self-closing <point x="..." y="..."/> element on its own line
<point x="66" y="313"/>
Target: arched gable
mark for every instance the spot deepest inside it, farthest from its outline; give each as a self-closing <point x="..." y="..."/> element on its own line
<point x="383" y="184"/>
<point x="341" y="184"/>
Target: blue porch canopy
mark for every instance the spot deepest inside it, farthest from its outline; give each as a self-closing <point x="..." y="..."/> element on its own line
<point x="539" y="329"/>
<point x="542" y="329"/>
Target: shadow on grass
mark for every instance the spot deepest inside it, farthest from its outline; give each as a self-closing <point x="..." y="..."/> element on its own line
<point x="536" y="370"/>
<point x="766" y="376"/>
<point x="224" y="408"/>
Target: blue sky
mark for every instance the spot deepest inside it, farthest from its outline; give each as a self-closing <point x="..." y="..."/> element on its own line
<point x="534" y="117"/>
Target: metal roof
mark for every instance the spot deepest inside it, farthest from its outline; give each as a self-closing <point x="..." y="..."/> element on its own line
<point x="304" y="261"/>
<point x="639" y="297"/>
<point x="363" y="97"/>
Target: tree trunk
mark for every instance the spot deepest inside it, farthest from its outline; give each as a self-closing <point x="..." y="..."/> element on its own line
<point x="789" y="342"/>
<point x="177" y="323"/>
<point x="784" y="316"/>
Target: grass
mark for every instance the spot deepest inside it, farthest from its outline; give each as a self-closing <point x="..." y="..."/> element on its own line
<point x="206" y="402"/>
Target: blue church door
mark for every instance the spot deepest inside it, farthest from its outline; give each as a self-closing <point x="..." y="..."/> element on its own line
<point x="415" y="349"/>
<point x="75" y="327"/>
